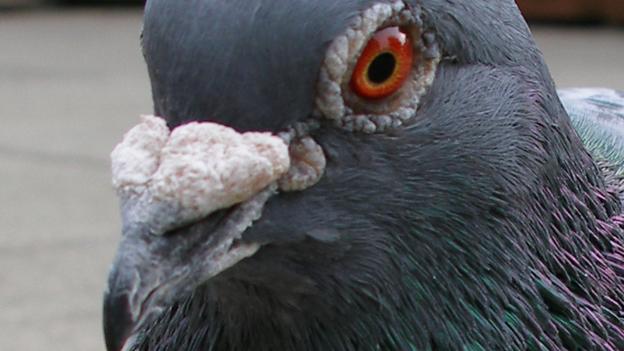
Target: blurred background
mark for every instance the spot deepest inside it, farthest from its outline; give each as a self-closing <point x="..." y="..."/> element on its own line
<point x="72" y="81"/>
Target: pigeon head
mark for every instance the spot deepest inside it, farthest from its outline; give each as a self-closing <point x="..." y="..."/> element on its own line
<point x="451" y="205"/>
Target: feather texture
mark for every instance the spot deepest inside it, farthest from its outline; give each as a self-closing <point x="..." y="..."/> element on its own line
<point x="598" y="117"/>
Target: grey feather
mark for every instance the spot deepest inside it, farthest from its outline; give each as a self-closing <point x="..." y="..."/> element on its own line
<point x="598" y="117"/>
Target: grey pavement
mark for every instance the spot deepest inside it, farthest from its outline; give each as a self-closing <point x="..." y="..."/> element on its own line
<point x="71" y="83"/>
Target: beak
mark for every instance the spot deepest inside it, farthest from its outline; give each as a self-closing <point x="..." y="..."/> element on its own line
<point x="150" y="272"/>
<point x="206" y="176"/>
<point x="118" y="323"/>
<point x="202" y="175"/>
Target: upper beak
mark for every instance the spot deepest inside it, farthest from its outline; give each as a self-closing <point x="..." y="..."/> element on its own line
<point x="118" y="320"/>
<point x="150" y="272"/>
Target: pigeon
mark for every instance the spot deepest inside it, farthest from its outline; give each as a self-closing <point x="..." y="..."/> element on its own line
<point x="371" y="175"/>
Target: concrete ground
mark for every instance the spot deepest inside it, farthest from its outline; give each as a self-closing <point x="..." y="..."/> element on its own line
<point x="71" y="83"/>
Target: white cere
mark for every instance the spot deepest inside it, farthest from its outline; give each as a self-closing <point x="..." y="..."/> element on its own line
<point x="169" y="179"/>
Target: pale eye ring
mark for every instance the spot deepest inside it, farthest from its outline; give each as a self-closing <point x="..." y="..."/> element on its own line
<point x="375" y="74"/>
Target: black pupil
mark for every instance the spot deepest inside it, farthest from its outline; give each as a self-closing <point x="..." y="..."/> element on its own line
<point x="381" y="68"/>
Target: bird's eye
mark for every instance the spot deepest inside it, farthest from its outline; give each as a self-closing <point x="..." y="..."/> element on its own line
<point x="374" y="74"/>
<point x="384" y="65"/>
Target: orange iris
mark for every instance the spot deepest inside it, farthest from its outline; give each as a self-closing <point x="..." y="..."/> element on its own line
<point x="384" y="65"/>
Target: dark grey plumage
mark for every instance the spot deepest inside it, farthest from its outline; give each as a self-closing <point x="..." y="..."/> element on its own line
<point x="483" y="224"/>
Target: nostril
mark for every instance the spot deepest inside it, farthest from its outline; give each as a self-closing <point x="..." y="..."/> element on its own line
<point x="118" y="322"/>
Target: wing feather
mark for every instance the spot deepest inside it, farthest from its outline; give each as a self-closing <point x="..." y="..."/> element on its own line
<point x="598" y="116"/>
